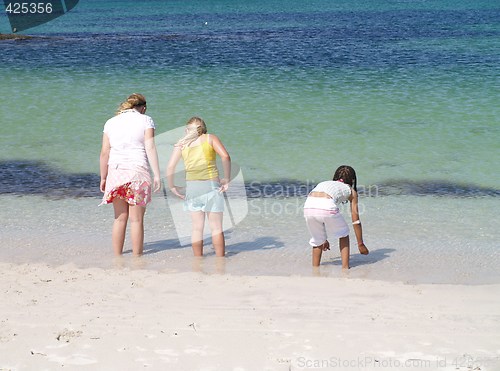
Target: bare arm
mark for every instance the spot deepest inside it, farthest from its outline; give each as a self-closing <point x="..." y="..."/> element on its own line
<point x="149" y="141"/>
<point x="226" y="161"/>
<point x="358" y="230"/>
<point x="103" y="161"/>
<point x="172" y="164"/>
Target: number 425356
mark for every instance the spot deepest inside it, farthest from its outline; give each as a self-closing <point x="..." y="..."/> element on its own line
<point x="29" y="8"/>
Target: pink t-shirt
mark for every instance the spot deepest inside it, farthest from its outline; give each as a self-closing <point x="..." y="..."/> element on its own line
<point x="126" y="133"/>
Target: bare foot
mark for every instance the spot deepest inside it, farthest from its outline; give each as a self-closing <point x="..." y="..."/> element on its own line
<point x="363" y="249"/>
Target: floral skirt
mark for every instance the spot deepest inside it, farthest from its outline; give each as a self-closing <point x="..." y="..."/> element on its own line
<point x="131" y="184"/>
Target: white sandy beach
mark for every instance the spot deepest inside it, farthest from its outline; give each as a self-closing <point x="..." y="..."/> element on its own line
<point x="69" y="318"/>
<point x="67" y="304"/>
<point x="406" y="92"/>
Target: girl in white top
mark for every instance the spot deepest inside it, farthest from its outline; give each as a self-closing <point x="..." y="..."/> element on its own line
<point x="323" y="217"/>
<point x="128" y="151"/>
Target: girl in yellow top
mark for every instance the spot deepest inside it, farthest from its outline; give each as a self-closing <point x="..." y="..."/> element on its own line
<point x="204" y="187"/>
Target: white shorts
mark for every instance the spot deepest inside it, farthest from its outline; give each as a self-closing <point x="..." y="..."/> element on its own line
<point x="324" y="220"/>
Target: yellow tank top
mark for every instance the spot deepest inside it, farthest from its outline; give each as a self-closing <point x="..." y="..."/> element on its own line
<point x="199" y="161"/>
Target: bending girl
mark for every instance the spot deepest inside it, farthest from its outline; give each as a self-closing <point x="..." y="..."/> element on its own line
<point x="323" y="217"/>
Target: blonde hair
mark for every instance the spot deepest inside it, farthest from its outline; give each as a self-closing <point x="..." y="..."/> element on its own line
<point x="133" y="100"/>
<point x="195" y="127"/>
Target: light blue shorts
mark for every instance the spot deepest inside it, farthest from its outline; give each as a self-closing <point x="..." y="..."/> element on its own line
<point x="203" y="195"/>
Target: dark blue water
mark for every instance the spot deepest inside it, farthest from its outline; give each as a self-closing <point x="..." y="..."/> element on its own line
<point x="372" y="39"/>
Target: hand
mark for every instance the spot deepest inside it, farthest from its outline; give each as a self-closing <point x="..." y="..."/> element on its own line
<point x="224" y="185"/>
<point x="175" y="191"/>
<point x="325" y="246"/>
<point x="156" y="184"/>
<point x="102" y="186"/>
<point x="363" y="249"/>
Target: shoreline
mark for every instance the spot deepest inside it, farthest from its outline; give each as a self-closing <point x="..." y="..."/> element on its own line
<point x="408" y="248"/>
<point x="128" y="319"/>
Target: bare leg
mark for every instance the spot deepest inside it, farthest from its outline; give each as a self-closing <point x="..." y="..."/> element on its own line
<point x="316" y="255"/>
<point x="344" y="251"/>
<point x="218" y="240"/>
<point x="197" y="264"/>
<point x="198" y="221"/>
<point x="318" y="251"/>
<point x="316" y="271"/>
<point x="220" y="265"/>
<point x="136" y="214"/>
<point x="119" y="225"/>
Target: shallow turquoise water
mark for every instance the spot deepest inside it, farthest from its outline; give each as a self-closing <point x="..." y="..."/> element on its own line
<point x="405" y="92"/>
<point x="388" y="126"/>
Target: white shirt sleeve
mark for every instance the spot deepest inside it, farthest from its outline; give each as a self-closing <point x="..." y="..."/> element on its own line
<point x="149" y="123"/>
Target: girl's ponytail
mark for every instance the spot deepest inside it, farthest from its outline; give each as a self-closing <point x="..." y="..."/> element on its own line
<point x="195" y="127"/>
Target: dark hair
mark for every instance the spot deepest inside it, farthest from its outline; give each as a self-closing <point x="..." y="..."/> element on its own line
<point x="347" y="175"/>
